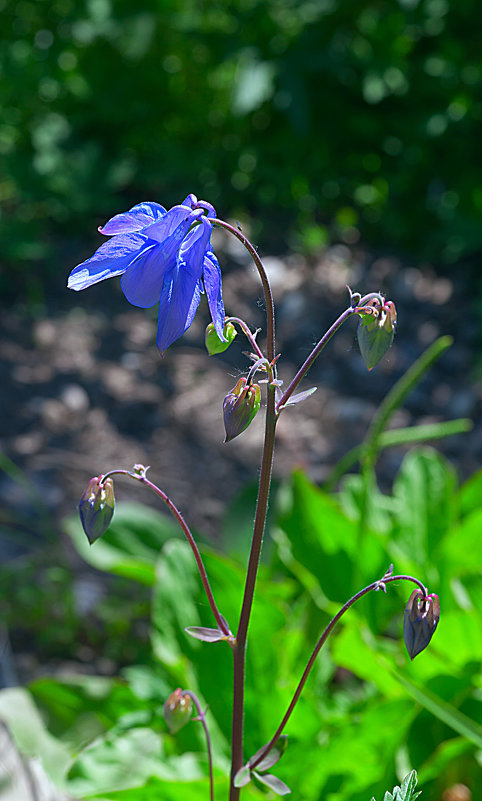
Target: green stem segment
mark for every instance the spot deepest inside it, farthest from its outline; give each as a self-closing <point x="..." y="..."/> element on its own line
<point x="376" y="585"/>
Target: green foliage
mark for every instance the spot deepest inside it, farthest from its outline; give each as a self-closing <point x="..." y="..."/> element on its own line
<point x="365" y="711"/>
<point x="406" y="791"/>
<point x="359" y="115"/>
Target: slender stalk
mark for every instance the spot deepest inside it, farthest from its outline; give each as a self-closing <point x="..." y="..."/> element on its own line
<point x="202" y="719"/>
<point x="264" y="280"/>
<point x="314" y="355"/>
<point x="248" y="333"/>
<point x="331" y="625"/>
<point x="239" y="652"/>
<point x="141" y="476"/>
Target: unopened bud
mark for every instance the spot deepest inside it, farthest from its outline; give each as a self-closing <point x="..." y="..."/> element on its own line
<point x="240" y="407"/>
<point x="376" y="330"/>
<point x="177" y="710"/>
<point x="420" y="620"/>
<point x="96" y="507"/>
<point x="216" y="345"/>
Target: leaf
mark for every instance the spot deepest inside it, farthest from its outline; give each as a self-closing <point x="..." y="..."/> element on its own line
<point x="275" y="784"/>
<point x="205" y="634"/>
<point x="243" y="777"/>
<point x="298" y="397"/>
<point x="273" y="756"/>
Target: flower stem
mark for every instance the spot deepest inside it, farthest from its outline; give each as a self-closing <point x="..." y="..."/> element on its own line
<point x="264" y="280"/>
<point x="239" y="651"/>
<point x="376" y="585"/>
<point x="313" y="356"/>
<point x="248" y="334"/>
<point x="141" y="476"/>
<point x="201" y="717"/>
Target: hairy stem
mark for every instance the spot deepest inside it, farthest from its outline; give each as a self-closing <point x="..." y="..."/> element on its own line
<point x="264" y="280"/>
<point x="239" y="652"/>
<point x="248" y="334"/>
<point x="313" y="356"/>
<point x="141" y="476"/>
<point x="331" y="625"/>
<point x="201" y="717"/>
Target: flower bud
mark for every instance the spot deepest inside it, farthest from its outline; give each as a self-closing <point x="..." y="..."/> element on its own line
<point x="240" y="407"/>
<point x="96" y="507"/>
<point x="420" y="620"/>
<point x="177" y="710"/>
<point x="376" y="330"/>
<point x="216" y="345"/>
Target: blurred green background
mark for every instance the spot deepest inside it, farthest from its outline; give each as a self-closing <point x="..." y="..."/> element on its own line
<point x="318" y="119"/>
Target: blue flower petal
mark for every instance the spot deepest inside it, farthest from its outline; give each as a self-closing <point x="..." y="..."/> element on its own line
<point x="112" y="258"/>
<point x="212" y="285"/>
<point x="142" y="282"/>
<point x="180" y="293"/>
<point x="137" y="218"/>
<point x="174" y="226"/>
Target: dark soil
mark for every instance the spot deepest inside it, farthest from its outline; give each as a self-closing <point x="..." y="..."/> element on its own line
<point x="85" y="390"/>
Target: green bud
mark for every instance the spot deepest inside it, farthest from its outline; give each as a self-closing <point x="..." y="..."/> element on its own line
<point x="96" y="507"/>
<point x="240" y="407"/>
<point x="376" y="330"/>
<point x="177" y="710"/>
<point x="214" y="344"/>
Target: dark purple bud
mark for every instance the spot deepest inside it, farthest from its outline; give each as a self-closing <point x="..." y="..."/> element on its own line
<point x="177" y="710"/>
<point x="420" y="620"/>
<point x="240" y="407"/>
<point x="96" y="507"/>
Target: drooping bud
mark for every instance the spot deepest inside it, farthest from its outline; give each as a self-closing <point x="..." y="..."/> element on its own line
<point x="216" y="345"/>
<point x="96" y="507"/>
<point x="376" y="330"/>
<point x="240" y="407"/>
<point x="420" y="620"/>
<point x="177" y="710"/>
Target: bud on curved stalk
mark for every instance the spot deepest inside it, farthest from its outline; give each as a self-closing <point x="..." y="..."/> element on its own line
<point x="420" y="620"/>
<point x="240" y="407"/>
<point x="96" y="507"/>
<point x="376" y="330"/>
<point x="212" y="341"/>
<point x="177" y="710"/>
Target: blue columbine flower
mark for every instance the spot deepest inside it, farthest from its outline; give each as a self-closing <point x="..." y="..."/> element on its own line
<point x="164" y="257"/>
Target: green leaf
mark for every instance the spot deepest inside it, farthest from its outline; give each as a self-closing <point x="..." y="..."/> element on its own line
<point x="243" y="777"/>
<point x="274" y="784"/>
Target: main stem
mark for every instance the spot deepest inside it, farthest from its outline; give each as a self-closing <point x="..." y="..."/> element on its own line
<point x="239" y="651"/>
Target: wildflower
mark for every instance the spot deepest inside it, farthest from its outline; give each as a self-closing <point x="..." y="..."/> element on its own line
<point x="163" y="256"/>
<point x="177" y="710"/>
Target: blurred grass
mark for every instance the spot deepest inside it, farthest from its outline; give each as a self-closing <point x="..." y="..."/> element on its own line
<point x="323" y="119"/>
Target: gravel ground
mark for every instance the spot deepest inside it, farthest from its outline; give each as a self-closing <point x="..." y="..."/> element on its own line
<point x="85" y="389"/>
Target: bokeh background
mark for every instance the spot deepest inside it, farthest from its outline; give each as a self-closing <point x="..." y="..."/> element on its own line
<point x="345" y="138"/>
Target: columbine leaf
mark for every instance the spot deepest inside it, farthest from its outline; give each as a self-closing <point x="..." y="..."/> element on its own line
<point x="300" y="396"/>
<point x="243" y="777"/>
<point x="273" y="756"/>
<point x="406" y="791"/>
<point x="205" y="634"/>
<point x="275" y="784"/>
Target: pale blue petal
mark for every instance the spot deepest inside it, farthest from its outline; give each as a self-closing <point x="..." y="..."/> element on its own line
<point x="142" y="282"/>
<point x="180" y="293"/>
<point x="111" y="259"/>
<point x="212" y="285"/>
<point x="137" y="218"/>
